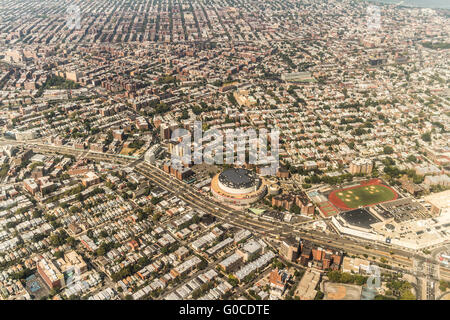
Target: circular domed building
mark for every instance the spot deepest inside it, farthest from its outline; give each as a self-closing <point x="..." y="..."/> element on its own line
<point x="238" y="187"/>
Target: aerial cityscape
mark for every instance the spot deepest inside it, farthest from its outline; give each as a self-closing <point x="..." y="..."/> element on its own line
<point x="224" y="150"/>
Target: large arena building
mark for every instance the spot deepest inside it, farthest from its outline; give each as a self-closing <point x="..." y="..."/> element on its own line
<point x="238" y="187"/>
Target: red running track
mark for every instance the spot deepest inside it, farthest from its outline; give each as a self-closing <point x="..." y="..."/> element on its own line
<point x="334" y="199"/>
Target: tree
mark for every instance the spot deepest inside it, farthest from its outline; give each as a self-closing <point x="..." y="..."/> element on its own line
<point x="58" y="239"/>
<point x="360" y="280"/>
<point x="203" y="264"/>
<point x="444" y="285"/>
<point x="407" y="295"/>
<point x="101" y="251"/>
<point x="381" y="297"/>
<point x="346" y="277"/>
<point x="37" y="214"/>
<point x="79" y="197"/>
<point x="74" y="209"/>
<point x="23" y="274"/>
<point x="233" y="281"/>
<point x="72" y="242"/>
<point x="59" y="254"/>
<point x="319" y="295"/>
<point x="334" y="276"/>
<point x="411" y="158"/>
<point x="426" y="137"/>
<point x="388" y="150"/>
<point x="156" y="217"/>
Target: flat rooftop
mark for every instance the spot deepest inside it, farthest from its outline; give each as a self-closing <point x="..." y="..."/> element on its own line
<point x="237" y="178"/>
<point x="360" y="218"/>
<point x="439" y="200"/>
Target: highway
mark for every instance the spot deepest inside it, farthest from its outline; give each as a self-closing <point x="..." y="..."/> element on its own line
<point x="278" y="231"/>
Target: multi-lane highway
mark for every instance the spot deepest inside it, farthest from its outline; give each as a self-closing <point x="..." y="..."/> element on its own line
<point x="399" y="258"/>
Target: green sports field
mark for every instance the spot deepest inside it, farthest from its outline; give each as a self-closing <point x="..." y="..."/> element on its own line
<point x="362" y="196"/>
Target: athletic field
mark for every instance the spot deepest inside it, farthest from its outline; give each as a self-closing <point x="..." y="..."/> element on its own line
<point x="327" y="209"/>
<point x="367" y="194"/>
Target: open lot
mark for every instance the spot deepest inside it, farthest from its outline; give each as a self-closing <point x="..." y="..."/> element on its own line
<point x="340" y="291"/>
<point x="126" y="151"/>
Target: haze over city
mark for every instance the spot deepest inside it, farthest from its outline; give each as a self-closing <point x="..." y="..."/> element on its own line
<point x="224" y="150"/>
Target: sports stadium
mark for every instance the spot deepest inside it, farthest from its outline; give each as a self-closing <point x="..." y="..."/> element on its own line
<point x="238" y="187"/>
<point x="366" y="194"/>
